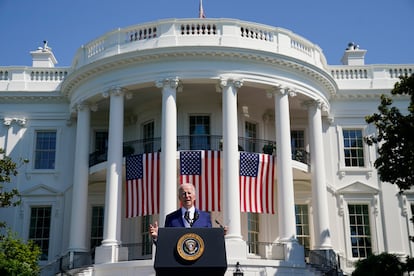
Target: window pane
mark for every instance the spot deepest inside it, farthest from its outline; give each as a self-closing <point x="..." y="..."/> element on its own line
<point x="199" y="132"/>
<point x="253" y="232"/>
<point x="302" y="226"/>
<point x="360" y="230"/>
<point x="148" y="130"/>
<point x="45" y="150"/>
<point x="101" y="141"/>
<point x="298" y="145"/>
<point x="39" y="229"/>
<point x="250" y="134"/>
<point x="353" y="148"/>
<point x="97" y="226"/>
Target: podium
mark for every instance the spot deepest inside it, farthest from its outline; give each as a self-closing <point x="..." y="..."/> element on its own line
<point x="190" y="251"/>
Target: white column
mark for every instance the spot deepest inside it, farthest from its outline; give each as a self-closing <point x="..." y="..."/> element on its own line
<point x="319" y="192"/>
<point x="110" y="251"/>
<point x="78" y="222"/>
<point x="294" y="252"/>
<point x="285" y="192"/>
<point x="168" y="191"/>
<point x="235" y="246"/>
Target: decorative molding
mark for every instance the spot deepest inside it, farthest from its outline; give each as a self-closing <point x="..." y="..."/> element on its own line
<point x="340" y="200"/>
<point x="318" y="75"/>
<point x="225" y="82"/>
<point x="375" y="205"/>
<point x="403" y="203"/>
<point x="358" y="188"/>
<point x="93" y="107"/>
<point x="117" y="91"/>
<point x="7" y="121"/>
<point x="173" y="82"/>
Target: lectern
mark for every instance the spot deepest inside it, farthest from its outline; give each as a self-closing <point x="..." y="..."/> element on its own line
<point x="190" y="251"/>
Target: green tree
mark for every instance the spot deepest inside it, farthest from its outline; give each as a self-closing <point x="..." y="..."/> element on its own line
<point x="395" y="163"/>
<point x="378" y="265"/>
<point x="18" y="257"/>
<point x="8" y="169"/>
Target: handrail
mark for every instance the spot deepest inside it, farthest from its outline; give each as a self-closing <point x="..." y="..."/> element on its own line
<point x="199" y="142"/>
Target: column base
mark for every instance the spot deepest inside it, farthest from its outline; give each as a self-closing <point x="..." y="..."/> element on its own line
<point x="236" y="249"/>
<point x="110" y="254"/>
<point x="75" y="259"/>
<point x="325" y="257"/>
<point x="294" y="252"/>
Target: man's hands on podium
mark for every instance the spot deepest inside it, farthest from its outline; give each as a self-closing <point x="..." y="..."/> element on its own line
<point x="153" y="229"/>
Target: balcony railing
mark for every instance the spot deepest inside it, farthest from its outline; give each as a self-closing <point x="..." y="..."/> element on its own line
<point x="198" y="142"/>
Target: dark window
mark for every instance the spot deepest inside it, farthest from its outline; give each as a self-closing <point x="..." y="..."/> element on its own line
<point x="146" y="238"/>
<point x="360" y="230"/>
<point x="97" y="226"/>
<point x="250" y="133"/>
<point x="298" y="145"/>
<point x="148" y="131"/>
<point x="199" y="132"/>
<point x="39" y="230"/>
<point x="253" y="232"/>
<point x="45" y="152"/>
<point x="302" y="227"/>
<point x="101" y="141"/>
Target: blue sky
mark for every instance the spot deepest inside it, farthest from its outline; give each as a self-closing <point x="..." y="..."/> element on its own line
<point x="383" y="27"/>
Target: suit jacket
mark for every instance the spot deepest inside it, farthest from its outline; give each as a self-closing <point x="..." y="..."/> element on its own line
<point x="175" y="219"/>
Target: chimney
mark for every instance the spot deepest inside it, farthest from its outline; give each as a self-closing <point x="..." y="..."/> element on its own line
<point x="43" y="57"/>
<point x="353" y="55"/>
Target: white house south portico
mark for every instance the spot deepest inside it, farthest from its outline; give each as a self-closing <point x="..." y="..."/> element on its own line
<point x="204" y="84"/>
<point x="229" y="82"/>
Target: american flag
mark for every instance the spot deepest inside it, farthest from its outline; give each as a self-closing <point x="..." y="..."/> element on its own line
<point x="202" y="168"/>
<point x="142" y="184"/>
<point x="257" y="172"/>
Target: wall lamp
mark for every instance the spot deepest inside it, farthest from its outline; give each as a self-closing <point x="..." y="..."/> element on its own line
<point x="238" y="271"/>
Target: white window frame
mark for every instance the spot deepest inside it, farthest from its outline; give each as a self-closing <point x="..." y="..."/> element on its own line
<point x="32" y="155"/>
<point x="373" y="206"/>
<point x="341" y="165"/>
<point x="25" y="211"/>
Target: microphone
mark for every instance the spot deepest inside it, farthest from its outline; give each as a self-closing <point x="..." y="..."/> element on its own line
<point x="221" y="226"/>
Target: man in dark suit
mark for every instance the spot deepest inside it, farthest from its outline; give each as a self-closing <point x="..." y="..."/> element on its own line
<point x="187" y="215"/>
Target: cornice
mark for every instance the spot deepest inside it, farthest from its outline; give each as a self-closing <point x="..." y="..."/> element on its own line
<point x="365" y="94"/>
<point x="33" y="98"/>
<point x="73" y="80"/>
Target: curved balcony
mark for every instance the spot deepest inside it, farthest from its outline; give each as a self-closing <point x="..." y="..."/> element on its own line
<point x="199" y="142"/>
<point x="199" y="32"/>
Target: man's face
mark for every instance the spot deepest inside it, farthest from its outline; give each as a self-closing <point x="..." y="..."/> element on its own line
<point x="187" y="196"/>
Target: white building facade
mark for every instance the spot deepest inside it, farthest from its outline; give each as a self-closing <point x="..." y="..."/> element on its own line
<point x="202" y="84"/>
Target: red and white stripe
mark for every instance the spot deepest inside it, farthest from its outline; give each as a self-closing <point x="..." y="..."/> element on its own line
<point x="257" y="193"/>
<point x="208" y="183"/>
<point x="142" y="195"/>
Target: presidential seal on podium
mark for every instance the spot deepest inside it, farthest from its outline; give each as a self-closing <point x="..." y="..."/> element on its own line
<point x="190" y="247"/>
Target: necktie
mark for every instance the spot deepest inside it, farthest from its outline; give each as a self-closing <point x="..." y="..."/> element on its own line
<point x="187" y="218"/>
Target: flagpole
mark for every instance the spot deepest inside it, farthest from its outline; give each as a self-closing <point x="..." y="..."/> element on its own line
<point x="201" y="10"/>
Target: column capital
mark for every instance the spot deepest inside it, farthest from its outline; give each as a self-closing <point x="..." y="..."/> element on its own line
<point x="282" y="90"/>
<point x="224" y="82"/>
<point x="84" y="105"/>
<point x="319" y="104"/>
<point x="173" y="82"/>
<point x="115" y="91"/>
